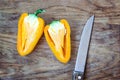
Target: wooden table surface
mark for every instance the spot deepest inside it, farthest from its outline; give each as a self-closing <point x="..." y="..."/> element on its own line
<point x="103" y="61"/>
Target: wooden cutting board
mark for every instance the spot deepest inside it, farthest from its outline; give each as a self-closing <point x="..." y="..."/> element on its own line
<point x="103" y="61"/>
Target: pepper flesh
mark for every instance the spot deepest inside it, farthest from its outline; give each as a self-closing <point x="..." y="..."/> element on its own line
<point x="30" y="30"/>
<point x="64" y="52"/>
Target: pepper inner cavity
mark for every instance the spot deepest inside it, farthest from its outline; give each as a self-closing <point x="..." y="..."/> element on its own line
<point x="29" y="27"/>
<point x="57" y="33"/>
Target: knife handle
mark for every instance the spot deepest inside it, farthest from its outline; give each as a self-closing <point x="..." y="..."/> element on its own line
<point x="77" y="75"/>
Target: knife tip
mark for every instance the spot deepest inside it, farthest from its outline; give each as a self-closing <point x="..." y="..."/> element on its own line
<point x="93" y="16"/>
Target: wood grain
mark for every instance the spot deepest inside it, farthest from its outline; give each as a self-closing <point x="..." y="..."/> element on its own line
<point x="103" y="61"/>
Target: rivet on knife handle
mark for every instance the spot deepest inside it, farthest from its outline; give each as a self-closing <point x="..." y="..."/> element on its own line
<point x="77" y="75"/>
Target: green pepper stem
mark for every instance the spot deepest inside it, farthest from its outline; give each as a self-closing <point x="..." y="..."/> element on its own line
<point x="39" y="11"/>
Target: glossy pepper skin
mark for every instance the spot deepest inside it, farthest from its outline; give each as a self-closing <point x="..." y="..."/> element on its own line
<point x="30" y="30"/>
<point x="64" y="56"/>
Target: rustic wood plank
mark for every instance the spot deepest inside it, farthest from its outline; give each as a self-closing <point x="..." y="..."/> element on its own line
<point x="104" y="54"/>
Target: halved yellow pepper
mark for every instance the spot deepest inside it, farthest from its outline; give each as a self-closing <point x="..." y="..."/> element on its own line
<point x="57" y="35"/>
<point x="30" y="29"/>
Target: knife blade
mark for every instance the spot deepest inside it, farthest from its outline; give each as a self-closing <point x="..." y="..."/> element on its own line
<point x="78" y="72"/>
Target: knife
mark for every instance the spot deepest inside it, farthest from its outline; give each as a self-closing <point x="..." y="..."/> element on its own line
<point x="78" y="72"/>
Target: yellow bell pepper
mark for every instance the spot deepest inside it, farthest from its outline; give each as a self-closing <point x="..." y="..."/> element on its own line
<point x="30" y="30"/>
<point x="57" y="35"/>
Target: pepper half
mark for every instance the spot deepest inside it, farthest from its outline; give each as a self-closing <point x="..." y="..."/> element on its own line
<point x="30" y="30"/>
<point x="57" y="35"/>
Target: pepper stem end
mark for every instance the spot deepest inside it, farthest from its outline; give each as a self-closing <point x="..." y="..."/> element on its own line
<point x="39" y="11"/>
